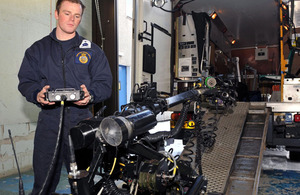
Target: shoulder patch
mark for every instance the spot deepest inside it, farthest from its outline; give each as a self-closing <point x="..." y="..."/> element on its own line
<point x="83" y="57"/>
<point x="85" y="44"/>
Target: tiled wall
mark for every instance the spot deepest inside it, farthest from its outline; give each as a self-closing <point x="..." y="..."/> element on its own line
<point x="22" y="135"/>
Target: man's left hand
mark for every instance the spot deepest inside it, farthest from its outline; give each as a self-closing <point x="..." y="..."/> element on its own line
<point x="86" y="99"/>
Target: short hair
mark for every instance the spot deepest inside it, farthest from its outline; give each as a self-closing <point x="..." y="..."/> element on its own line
<point x="59" y="2"/>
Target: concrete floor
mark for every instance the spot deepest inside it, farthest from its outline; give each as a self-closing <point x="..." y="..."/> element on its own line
<point x="10" y="185"/>
<point x="278" y="176"/>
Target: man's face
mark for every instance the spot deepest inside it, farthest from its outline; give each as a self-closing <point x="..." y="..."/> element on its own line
<point x="68" y="19"/>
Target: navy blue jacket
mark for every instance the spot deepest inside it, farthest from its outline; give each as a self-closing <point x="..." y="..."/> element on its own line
<point x="45" y="63"/>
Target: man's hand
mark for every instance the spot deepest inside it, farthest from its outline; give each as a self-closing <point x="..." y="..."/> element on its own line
<point x="41" y="96"/>
<point x="86" y="99"/>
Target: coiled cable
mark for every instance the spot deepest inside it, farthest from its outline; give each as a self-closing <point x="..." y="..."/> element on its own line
<point x="110" y="188"/>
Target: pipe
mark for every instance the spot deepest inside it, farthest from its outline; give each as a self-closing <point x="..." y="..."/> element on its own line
<point x="135" y="40"/>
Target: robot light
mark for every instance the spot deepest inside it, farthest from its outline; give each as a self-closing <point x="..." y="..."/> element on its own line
<point x="117" y="130"/>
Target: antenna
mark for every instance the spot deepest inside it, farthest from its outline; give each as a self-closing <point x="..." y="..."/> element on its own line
<point x="21" y="188"/>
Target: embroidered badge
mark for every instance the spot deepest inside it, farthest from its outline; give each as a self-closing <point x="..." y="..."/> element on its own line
<point x="85" y="44"/>
<point x="83" y="57"/>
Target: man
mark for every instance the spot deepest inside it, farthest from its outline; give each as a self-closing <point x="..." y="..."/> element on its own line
<point x="62" y="59"/>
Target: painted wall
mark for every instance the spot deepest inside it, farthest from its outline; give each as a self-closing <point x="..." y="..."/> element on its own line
<point x="161" y="42"/>
<point x="22" y="23"/>
<point x="269" y="66"/>
<point x="125" y="23"/>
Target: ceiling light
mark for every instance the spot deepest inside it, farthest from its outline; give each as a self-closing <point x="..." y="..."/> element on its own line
<point x="284" y="6"/>
<point x="213" y="15"/>
<point x="286" y="27"/>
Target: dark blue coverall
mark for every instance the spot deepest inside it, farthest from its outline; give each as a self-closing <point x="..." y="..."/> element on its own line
<point x="60" y="64"/>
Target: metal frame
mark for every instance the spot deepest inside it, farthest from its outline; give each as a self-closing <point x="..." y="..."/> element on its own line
<point x="284" y="106"/>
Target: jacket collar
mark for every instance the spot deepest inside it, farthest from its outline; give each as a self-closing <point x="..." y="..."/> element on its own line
<point x="77" y="37"/>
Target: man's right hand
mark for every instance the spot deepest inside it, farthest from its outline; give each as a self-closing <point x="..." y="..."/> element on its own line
<point x="41" y="96"/>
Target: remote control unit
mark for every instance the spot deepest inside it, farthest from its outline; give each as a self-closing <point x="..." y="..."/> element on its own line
<point x="66" y="94"/>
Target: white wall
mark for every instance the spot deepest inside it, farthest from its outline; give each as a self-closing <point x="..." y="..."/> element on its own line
<point x="125" y="32"/>
<point x="161" y="42"/>
<point x="125" y="8"/>
<point x="22" y="23"/>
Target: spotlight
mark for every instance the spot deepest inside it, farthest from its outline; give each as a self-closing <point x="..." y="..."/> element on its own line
<point x="158" y="3"/>
<point x="115" y="130"/>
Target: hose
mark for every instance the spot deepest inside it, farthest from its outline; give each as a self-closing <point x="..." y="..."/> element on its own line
<point x="167" y="134"/>
<point x="54" y="159"/>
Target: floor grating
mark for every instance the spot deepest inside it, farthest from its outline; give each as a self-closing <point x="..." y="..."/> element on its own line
<point x="216" y="165"/>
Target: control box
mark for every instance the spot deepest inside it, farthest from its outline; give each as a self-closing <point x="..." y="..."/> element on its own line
<point x="66" y="94"/>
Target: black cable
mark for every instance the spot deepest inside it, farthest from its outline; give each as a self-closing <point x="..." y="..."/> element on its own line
<point x="188" y="152"/>
<point x="167" y="134"/>
<point x="54" y="159"/>
<point x="208" y="136"/>
<point x="109" y="188"/>
<point x="178" y="8"/>
<point x="133" y="90"/>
